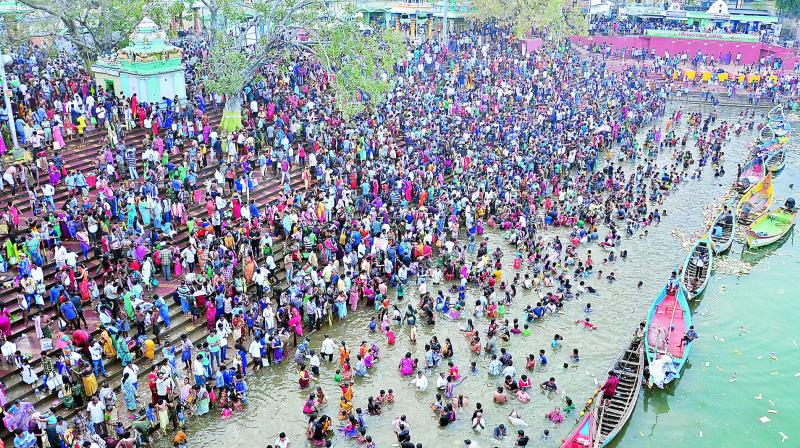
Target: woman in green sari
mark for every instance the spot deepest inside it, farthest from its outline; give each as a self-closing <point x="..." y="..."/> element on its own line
<point x="124" y="355"/>
<point x="203" y="400"/>
<point x="128" y="305"/>
<point x="12" y="252"/>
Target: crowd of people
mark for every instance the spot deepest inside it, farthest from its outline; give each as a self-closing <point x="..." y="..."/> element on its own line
<point x="765" y="80"/>
<point x="616" y="25"/>
<point x="476" y="137"/>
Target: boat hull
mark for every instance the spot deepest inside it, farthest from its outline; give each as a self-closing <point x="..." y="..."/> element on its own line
<point x="771" y="227"/>
<point x="761" y="242"/>
<point x="776" y="161"/>
<point x="752" y="173"/>
<point x="722" y="244"/>
<point x="759" y="199"/>
<point x="667" y="321"/>
<point x="694" y="279"/>
<point x="629" y="367"/>
<point x="584" y="433"/>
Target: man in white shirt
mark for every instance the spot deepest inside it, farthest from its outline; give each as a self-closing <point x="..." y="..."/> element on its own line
<point x="420" y="382"/>
<point x="96" y="350"/>
<point x="48" y="191"/>
<point x="255" y="353"/>
<point x="37" y="274"/>
<point x="269" y="318"/>
<point x="199" y="371"/>
<point x="509" y="370"/>
<point x="328" y="348"/>
<point x="313" y="361"/>
<point x="164" y="385"/>
<point x="133" y="371"/>
<point x="97" y="416"/>
<point x="71" y="259"/>
<point x="60" y="255"/>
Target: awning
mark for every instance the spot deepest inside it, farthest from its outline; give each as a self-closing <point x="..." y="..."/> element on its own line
<point x="750" y="18"/>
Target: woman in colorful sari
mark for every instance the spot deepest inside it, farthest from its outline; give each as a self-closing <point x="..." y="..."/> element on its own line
<point x="144" y="210"/>
<point x="163" y="310"/>
<point x="54" y="174"/>
<point x="203" y="400"/>
<point x="406" y="365"/>
<point x="129" y="391"/>
<point x="277" y="349"/>
<point x="89" y="380"/>
<point x="211" y="313"/>
<point x="83" y="284"/>
<point x="130" y="211"/>
<point x="108" y="344"/>
<point x="121" y="347"/>
<point x="58" y="136"/>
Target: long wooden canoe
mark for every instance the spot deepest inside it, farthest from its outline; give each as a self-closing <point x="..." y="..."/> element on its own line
<point x="613" y="417"/>
<point x="776" y="160"/>
<point x="723" y="240"/>
<point x="756" y="201"/>
<point x="697" y="268"/>
<point x="583" y="435"/>
<point x="668" y="321"/>
<point x="771" y="227"/>
<point x="752" y="173"/>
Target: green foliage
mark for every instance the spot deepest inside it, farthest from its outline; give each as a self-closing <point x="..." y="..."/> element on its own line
<point x="362" y="64"/>
<point x="788" y="7"/>
<point x="15" y="31"/>
<point x="226" y="67"/>
<point x="527" y="15"/>
<point x="361" y="61"/>
<point x="177" y="9"/>
<point x="94" y="27"/>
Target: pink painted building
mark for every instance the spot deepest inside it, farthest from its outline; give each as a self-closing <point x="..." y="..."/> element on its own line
<point x="751" y="51"/>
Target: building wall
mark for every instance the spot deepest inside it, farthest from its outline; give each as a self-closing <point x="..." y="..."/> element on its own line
<point x="751" y="52"/>
<point x="101" y="79"/>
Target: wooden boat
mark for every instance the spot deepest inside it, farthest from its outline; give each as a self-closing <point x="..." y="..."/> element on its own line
<point x="612" y="418"/>
<point x="777" y="122"/>
<point x="697" y="268"/>
<point x="766" y="134"/>
<point x="756" y="201"/>
<point x="776" y="113"/>
<point x="782" y="129"/>
<point x="752" y="173"/>
<point x="767" y="147"/>
<point x="722" y="241"/>
<point x="667" y="322"/>
<point x="776" y="160"/>
<point x="583" y="435"/>
<point x="772" y="226"/>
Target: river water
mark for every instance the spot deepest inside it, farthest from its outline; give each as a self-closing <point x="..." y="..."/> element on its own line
<point x="704" y="408"/>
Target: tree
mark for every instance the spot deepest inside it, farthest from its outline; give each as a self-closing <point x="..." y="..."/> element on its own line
<point x="95" y="27"/>
<point x="214" y="7"/>
<point x="167" y="14"/>
<point x="528" y="15"/>
<point x="15" y="31"/>
<point x="788" y="7"/>
<point x="360" y="59"/>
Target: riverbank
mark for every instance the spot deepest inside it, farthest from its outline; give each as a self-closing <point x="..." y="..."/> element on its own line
<point x="619" y="307"/>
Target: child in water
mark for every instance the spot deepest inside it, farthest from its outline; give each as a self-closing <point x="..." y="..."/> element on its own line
<point x="586" y="324"/>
